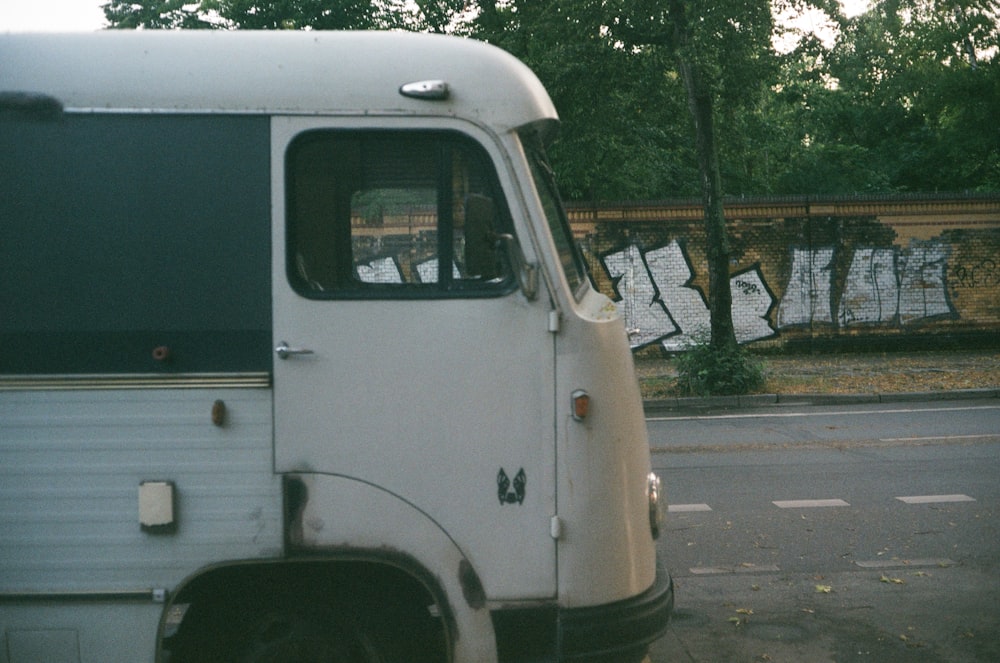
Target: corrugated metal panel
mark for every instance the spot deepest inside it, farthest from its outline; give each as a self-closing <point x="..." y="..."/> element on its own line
<point x="70" y="467"/>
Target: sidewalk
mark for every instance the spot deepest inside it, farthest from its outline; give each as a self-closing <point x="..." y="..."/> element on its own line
<point x="820" y="379"/>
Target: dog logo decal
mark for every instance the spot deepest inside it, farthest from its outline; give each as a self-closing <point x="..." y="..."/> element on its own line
<point x="507" y="494"/>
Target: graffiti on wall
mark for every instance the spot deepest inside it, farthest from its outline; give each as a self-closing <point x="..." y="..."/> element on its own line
<point x="807" y="295"/>
<point x="658" y="302"/>
<point x="982" y="274"/>
<point x="883" y="285"/>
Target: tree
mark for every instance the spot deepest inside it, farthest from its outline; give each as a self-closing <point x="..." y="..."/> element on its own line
<point x="900" y="102"/>
<point x="155" y="14"/>
<point x="701" y="80"/>
<point x="315" y="14"/>
<point x="713" y="44"/>
<point x="620" y="135"/>
<point x="429" y="15"/>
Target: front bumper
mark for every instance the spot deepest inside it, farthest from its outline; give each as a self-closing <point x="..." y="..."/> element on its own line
<point x="620" y="631"/>
<point x="617" y="632"/>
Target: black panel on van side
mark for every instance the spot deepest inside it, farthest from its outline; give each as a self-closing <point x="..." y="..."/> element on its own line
<point x="134" y="243"/>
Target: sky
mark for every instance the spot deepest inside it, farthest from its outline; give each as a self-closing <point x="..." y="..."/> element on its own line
<point x="63" y="15"/>
<point x="51" y="15"/>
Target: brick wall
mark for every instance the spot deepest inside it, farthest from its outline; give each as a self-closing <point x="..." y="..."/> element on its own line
<point x="819" y="271"/>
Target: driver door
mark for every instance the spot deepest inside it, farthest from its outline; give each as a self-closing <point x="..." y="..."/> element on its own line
<point x="407" y="357"/>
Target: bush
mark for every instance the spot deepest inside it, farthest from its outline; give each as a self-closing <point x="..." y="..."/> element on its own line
<point x="704" y="370"/>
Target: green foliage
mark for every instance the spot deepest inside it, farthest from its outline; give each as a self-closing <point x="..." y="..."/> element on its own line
<point x="898" y="103"/>
<point x="625" y="130"/>
<point x="429" y="15"/>
<point x="155" y="14"/>
<point x="707" y="370"/>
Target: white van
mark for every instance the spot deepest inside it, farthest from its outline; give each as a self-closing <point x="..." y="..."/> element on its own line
<point x="299" y="362"/>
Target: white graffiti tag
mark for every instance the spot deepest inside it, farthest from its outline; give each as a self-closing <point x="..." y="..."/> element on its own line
<point x="871" y="292"/>
<point x="639" y="302"/>
<point x="885" y="285"/>
<point x="670" y="270"/>
<point x="807" y="297"/>
<point x="752" y="301"/>
<point x="659" y="303"/>
<point x="922" y="292"/>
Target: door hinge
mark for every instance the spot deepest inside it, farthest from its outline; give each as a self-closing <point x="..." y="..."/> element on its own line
<point x="555" y="320"/>
<point x="556" y="527"/>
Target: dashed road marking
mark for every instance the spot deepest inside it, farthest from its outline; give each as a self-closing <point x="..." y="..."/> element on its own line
<point x="742" y="568"/>
<point x="934" y="499"/>
<point x="934" y="438"/>
<point x="896" y="563"/>
<point x="808" y="504"/>
<point x="811" y="504"/>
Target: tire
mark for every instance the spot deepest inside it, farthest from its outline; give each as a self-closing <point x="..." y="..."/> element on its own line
<point x="292" y="636"/>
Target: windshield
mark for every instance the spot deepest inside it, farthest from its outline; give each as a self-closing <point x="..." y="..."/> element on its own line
<point x="569" y="255"/>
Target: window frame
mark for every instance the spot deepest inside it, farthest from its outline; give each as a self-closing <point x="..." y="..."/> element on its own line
<point x="348" y="286"/>
<point x="571" y="261"/>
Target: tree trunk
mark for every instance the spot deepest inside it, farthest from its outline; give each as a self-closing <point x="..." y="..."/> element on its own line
<point x="701" y="105"/>
<point x="720" y="297"/>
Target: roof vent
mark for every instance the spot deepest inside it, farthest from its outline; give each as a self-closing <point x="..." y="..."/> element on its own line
<point x="429" y="90"/>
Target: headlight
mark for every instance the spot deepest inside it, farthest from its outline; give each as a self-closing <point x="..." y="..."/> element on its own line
<point x="654" y="491"/>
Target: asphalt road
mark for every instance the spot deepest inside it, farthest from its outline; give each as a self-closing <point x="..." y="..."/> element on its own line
<point x="842" y="533"/>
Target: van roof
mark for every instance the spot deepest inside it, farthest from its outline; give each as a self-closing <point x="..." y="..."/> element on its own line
<point x="274" y="72"/>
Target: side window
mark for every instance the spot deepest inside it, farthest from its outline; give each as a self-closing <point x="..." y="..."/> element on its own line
<point x="113" y="245"/>
<point x="394" y="214"/>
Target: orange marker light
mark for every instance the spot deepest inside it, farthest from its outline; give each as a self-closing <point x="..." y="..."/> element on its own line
<point x="581" y="404"/>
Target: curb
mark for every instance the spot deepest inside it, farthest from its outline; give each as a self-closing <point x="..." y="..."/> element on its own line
<point x="696" y="403"/>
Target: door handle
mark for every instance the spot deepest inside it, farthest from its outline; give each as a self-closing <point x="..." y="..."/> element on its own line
<point x="284" y="351"/>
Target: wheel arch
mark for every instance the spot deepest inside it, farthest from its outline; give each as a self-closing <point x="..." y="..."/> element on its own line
<point x="220" y="603"/>
<point x="389" y="548"/>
